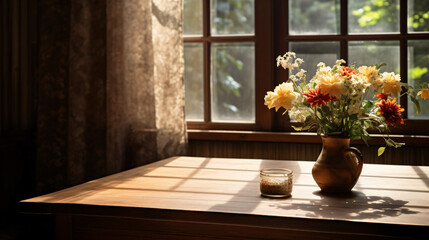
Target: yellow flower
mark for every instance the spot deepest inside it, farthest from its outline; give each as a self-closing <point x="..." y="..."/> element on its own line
<point x="282" y="96"/>
<point x="424" y="93"/>
<point x="391" y="83"/>
<point x="371" y="73"/>
<point x="332" y="84"/>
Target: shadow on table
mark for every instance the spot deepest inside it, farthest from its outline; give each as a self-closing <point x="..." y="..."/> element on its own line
<point x="252" y="188"/>
<point x="421" y="174"/>
<point x="354" y="205"/>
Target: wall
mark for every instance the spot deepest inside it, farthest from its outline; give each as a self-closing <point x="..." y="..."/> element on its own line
<point x="18" y="42"/>
<point x="302" y="151"/>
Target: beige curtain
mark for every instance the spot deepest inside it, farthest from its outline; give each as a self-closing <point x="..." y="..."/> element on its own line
<point x="111" y="91"/>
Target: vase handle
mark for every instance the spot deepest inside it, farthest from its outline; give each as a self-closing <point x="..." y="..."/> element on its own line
<point x="359" y="156"/>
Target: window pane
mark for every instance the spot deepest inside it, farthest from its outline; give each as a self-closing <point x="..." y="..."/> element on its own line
<point x="375" y="52"/>
<point x="418" y="70"/>
<point x="314" y="17"/>
<point x="232" y="17"/>
<point x="418" y="15"/>
<point x="194" y="85"/>
<point x="193" y="17"/>
<point x="373" y="16"/>
<point x="315" y="52"/>
<point x="233" y="82"/>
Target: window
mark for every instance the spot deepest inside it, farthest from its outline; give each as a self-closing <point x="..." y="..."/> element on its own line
<point x="220" y="59"/>
<point x="231" y="46"/>
<point x="224" y="41"/>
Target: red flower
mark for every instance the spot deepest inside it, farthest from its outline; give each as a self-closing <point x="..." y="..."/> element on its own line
<point x="391" y="111"/>
<point x="383" y="96"/>
<point x="315" y="98"/>
<point x="346" y="71"/>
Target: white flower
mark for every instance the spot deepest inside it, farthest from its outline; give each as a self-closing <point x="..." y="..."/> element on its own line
<point x="358" y="84"/>
<point x="299" y="61"/>
<point x="279" y="59"/>
<point x="293" y="78"/>
<point x="354" y="107"/>
<point x="339" y="62"/>
<point x="286" y="65"/>
<point x="299" y="112"/>
<point x="301" y="73"/>
<point x="289" y="55"/>
<point x="321" y="64"/>
<point x="286" y="61"/>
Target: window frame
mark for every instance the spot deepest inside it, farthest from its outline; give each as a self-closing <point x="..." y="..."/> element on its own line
<point x="271" y="39"/>
<point x="264" y="79"/>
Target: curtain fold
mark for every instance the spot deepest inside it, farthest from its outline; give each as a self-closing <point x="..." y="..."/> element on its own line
<point x="111" y="90"/>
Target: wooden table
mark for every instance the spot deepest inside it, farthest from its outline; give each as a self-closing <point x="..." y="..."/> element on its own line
<point x="212" y="198"/>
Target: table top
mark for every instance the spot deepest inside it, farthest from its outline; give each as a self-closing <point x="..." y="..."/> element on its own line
<point x="388" y="194"/>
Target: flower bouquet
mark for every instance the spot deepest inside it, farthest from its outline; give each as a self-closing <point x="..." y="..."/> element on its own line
<point x="342" y="101"/>
<point x="342" y="104"/>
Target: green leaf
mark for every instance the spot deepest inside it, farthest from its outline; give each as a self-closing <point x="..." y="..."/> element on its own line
<point x="355" y="137"/>
<point x="416" y="104"/>
<point x="297" y="128"/>
<point x="236" y="92"/>
<point x="303" y="86"/>
<point x="392" y="143"/>
<point x="368" y="105"/>
<point x="353" y="117"/>
<point x="303" y="128"/>
<point x="398" y="145"/>
<point x="378" y="66"/>
<point x="325" y="108"/>
<point x="381" y="150"/>
<point x="334" y="134"/>
<point x="314" y="85"/>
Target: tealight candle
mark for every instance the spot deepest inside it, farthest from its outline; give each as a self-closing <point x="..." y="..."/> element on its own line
<point x="276" y="182"/>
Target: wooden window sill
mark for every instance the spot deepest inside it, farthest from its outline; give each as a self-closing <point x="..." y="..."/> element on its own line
<point x="295" y="137"/>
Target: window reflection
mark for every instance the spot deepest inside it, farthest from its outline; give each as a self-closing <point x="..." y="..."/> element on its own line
<point x="308" y="17"/>
<point x="232" y="17"/>
<point x="194" y="86"/>
<point x="418" y="71"/>
<point x="193" y="17"/>
<point x="379" y="16"/>
<point x="233" y="82"/>
<point x="418" y="16"/>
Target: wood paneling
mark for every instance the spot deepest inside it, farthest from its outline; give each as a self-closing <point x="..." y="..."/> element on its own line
<point x="302" y="151"/>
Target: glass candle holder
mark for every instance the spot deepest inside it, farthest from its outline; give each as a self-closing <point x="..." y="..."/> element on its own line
<point x="276" y="182"/>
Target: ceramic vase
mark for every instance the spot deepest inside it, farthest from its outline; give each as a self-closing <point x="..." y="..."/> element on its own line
<point x="338" y="166"/>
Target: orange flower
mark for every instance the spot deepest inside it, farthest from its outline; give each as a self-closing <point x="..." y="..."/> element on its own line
<point x="391" y="111"/>
<point x="315" y="98"/>
<point x="332" y="84"/>
<point x="391" y="83"/>
<point x="424" y="93"/>
<point x="346" y="71"/>
<point x="282" y="96"/>
<point x="383" y="96"/>
<point x="371" y="74"/>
